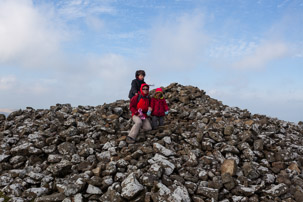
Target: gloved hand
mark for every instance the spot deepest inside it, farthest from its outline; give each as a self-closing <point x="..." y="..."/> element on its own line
<point x="166" y="112"/>
<point x="148" y="113"/>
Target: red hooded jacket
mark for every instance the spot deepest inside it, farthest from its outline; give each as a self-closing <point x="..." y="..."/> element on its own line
<point x="159" y="105"/>
<point x="144" y="102"/>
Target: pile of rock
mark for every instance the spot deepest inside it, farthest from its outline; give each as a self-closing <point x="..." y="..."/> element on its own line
<point x="206" y="151"/>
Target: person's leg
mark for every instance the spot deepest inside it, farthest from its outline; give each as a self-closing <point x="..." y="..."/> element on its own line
<point x="136" y="127"/>
<point x="161" y="120"/>
<point x="154" y="122"/>
<point x="146" y="125"/>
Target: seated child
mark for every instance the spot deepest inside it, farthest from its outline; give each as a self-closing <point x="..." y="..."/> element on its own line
<point x="159" y="108"/>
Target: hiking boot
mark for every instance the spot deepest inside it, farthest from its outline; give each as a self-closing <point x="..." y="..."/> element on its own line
<point x="141" y="137"/>
<point x="130" y="140"/>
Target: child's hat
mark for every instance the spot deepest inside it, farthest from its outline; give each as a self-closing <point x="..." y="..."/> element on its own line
<point x="159" y="90"/>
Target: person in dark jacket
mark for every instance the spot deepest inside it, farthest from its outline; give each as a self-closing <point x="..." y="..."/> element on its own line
<point x="139" y="106"/>
<point x="136" y="83"/>
<point x="159" y="108"/>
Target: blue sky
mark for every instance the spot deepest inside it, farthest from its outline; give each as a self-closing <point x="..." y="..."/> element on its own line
<point x="85" y="52"/>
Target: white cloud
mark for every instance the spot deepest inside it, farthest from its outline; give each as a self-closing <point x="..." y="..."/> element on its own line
<point x="27" y="36"/>
<point x="178" y="43"/>
<point x="33" y="35"/>
<point x="95" y="23"/>
<point x="110" y="67"/>
<point x="262" y="55"/>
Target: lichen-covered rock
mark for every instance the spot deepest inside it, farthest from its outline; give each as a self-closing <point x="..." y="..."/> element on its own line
<point x="164" y="162"/>
<point x="131" y="187"/>
<point x="277" y="190"/>
<point x="208" y="192"/>
<point x="32" y="193"/>
<point x="161" y="149"/>
<point x="51" y="198"/>
<point x="60" y="169"/>
<point x="93" y="190"/>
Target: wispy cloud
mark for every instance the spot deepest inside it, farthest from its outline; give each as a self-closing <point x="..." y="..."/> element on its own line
<point x="262" y="55"/>
<point x="282" y="4"/>
<point x="73" y="9"/>
<point x="232" y="48"/>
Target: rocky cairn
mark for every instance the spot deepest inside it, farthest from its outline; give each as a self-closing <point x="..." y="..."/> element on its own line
<point x="206" y="151"/>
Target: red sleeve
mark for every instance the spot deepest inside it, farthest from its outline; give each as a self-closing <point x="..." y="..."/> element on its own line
<point x="133" y="105"/>
<point x="152" y="103"/>
<point x="165" y="105"/>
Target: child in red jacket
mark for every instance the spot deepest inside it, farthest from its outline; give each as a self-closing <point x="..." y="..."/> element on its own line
<point x="159" y="109"/>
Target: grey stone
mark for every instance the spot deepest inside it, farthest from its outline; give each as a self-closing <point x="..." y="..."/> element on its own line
<point x="51" y="198"/>
<point x="93" y="190"/>
<point x="131" y="187"/>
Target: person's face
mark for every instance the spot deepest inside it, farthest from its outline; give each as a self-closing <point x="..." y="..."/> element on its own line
<point x="145" y="89"/>
<point x="158" y="95"/>
<point x="141" y="77"/>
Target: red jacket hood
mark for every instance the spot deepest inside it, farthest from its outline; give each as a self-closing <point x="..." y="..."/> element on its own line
<point x="141" y="91"/>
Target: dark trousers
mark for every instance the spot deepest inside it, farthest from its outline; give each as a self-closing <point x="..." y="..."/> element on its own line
<point x="157" y="121"/>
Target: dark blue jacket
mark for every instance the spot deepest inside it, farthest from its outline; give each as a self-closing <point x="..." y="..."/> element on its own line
<point x="135" y="87"/>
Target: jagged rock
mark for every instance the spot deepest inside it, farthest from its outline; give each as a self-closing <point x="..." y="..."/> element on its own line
<point x="4" y="157"/>
<point x="166" y="164"/>
<point x="93" y="190"/>
<point x="229" y="166"/>
<point x="277" y="190"/>
<point x="294" y="166"/>
<point x="5" y="180"/>
<point x="78" y="198"/>
<point x="161" y="149"/>
<point x="179" y="193"/>
<point x="228" y="181"/>
<point x="192" y="161"/>
<point x="51" y="198"/>
<point x="60" y="169"/>
<point x="106" y="182"/>
<point x="208" y="192"/>
<point x="21" y="149"/>
<point x="32" y="193"/>
<point x="162" y="194"/>
<point x="131" y="187"/>
<point x="69" y="188"/>
<point x="228" y="130"/>
<point x="112" y="194"/>
<point x="156" y="170"/>
<point x="66" y="148"/>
